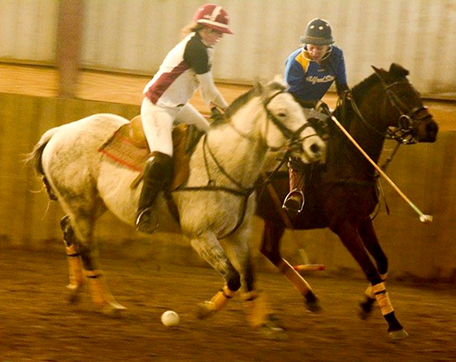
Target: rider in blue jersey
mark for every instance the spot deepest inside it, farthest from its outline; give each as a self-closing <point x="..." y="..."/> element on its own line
<point x="310" y="71"/>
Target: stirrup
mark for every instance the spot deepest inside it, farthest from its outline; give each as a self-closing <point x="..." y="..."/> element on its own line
<point x="291" y="204"/>
<point x="146" y="221"/>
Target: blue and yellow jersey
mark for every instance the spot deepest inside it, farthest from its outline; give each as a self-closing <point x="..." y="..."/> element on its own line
<point x="308" y="80"/>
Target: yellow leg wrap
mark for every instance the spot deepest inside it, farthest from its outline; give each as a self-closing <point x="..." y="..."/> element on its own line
<point x="75" y="267"/>
<point x="98" y="288"/>
<point x="369" y="291"/>
<point x="294" y="277"/>
<point x="256" y="309"/>
<point x="221" y="298"/>
<point x="382" y="298"/>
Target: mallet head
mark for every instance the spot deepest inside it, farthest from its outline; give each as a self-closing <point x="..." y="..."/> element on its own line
<point x="426" y="219"/>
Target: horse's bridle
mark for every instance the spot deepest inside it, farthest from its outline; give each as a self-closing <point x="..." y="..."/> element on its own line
<point x="292" y="137"/>
<point x="408" y="118"/>
<point x="242" y="191"/>
<point x="404" y="132"/>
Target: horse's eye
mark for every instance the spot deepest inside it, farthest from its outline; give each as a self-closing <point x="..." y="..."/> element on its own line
<point x="281" y="114"/>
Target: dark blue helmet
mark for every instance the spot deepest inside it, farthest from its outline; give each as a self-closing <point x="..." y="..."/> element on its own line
<point x="318" y="32"/>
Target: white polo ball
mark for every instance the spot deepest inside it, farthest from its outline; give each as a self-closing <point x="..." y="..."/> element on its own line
<point x="170" y="318"/>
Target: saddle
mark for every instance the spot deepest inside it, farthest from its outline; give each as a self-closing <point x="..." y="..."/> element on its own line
<point x="128" y="147"/>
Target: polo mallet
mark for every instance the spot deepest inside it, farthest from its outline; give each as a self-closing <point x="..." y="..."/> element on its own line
<point x="427" y="219"/>
<point x="286" y="219"/>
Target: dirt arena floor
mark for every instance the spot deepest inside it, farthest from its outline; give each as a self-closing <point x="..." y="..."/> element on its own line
<point x="37" y="324"/>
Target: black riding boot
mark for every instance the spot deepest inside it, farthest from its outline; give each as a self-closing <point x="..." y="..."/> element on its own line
<point x="157" y="174"/>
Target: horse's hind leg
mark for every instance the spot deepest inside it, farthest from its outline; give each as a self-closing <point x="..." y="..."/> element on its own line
<point x="270" y="247"/>
<point x="352" y="241"/>
<point x="208" y="247"/>
<point x="76" y="272"/>
<point x="371" y="243"/>
<point x="81" y="224"/>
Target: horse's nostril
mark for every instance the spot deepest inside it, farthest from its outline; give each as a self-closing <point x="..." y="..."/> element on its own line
<point x="432" y="128"/>
<point x="315" y="148"/>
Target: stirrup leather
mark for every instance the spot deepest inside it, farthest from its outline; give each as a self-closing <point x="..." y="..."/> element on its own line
<point x="290" y="197"/>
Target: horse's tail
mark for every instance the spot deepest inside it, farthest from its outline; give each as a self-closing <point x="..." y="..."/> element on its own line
<point x="35" y="156"/>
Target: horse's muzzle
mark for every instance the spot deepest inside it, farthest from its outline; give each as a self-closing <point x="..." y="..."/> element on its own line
<point x="428" y="132"/>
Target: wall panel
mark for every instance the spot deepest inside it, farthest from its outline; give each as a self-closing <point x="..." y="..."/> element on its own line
<point x="28" y="30"/>
<point x="424" y="172"/>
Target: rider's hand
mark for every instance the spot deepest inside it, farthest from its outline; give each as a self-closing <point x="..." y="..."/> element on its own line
<point x="323" y="108"/>
<point x="217" y="115"/>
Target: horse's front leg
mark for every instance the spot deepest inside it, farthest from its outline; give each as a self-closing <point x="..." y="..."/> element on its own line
<point x="258" y="313"/>
<point x="371" y="243"/>
<point x="209" y="248"/>
<point x="270" y="247"/>
<point x="352" y="241"/>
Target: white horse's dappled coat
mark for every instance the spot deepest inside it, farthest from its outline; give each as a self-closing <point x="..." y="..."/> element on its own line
<point x="87" y="183"/>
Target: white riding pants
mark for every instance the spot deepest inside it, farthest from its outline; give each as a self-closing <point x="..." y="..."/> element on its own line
<point x="158" y="124"/>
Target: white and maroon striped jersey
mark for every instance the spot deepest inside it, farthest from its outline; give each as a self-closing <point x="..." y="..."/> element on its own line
<point x="175" y="82"/>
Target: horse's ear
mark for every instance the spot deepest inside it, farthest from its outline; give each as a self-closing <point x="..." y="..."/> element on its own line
<point x="377" y="70"/>
<point x="258" y="87"/>
<point x="398" y="70"/>
<point x="382" y="73"/>
<point x="278" y="78"/>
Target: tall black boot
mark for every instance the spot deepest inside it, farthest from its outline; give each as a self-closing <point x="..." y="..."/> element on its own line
<point x="157" y="174"/>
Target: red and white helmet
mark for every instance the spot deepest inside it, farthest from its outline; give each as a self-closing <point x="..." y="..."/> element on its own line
<point x="213" y="16"/>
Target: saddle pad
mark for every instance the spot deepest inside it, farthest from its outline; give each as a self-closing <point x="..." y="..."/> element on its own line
<point x="126" y="148"/>
<point x="123" y="150"/>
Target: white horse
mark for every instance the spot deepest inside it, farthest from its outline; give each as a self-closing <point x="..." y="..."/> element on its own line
<point x="215" y="203"/>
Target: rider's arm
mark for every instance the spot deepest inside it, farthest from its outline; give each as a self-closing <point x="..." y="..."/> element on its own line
<point x="209" y="91"/>
<point x="341" y="76"/>
<point x="197" y="57"/>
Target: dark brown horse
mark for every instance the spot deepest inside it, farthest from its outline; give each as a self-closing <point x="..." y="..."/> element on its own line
<point x="342" y="194"/>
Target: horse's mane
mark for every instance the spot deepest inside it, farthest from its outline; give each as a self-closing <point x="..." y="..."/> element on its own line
<point x="340" y="149"/>
<point x="240" y="101"/>
<point x="361" y="89"/>
<point x="243" y="99"/>
<point x="396" y="73"/>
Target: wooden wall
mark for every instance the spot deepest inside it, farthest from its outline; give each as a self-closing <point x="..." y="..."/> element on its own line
<point x="424" y="172"/>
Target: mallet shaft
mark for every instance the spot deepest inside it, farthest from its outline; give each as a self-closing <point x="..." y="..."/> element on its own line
<point x="423" y="218"/>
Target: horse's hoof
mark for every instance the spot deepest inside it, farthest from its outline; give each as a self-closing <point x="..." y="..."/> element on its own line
<point x="73" y="296"/>
<point x="365" y="308"/>
<point x="364" y="313"/>
<point x="205" y="310"/>
<point x="398" y="335"/>
<point x="271" y="331"/>
<point x="113" y="310"/>
<point x="313" y="306"/>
